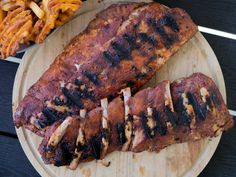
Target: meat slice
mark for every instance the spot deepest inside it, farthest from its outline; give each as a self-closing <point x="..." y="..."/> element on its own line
<point x="154" y="117"/>
<point x="62" y="152"/>
<point x="124" y="46"/>
<point x="200" y="106"/>
<point x="186" y="110"/>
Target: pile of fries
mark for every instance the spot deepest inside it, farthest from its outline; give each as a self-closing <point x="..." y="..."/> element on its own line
<point x="25" y="21"/>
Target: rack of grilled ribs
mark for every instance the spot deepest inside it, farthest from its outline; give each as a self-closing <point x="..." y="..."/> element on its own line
<point x="124" y="46"/>
<point x="185" y="110"/>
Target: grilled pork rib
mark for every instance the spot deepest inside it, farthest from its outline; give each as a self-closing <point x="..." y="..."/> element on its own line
<point x="185" y="110"/>
<point x="124" y="46"/>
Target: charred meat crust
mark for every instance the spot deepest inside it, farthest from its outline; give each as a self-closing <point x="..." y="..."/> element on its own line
<point x="123" y="48"/>
<point x="157" y="122"/>
<point x="99" y="31"/>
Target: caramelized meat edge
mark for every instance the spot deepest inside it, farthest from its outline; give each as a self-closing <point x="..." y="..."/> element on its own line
<point x="187" y="109"/>
<point x="124" y="46"/>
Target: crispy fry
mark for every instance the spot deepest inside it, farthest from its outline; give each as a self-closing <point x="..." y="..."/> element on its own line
<point x="64" y="7"/>
<point x="48" y="26"/>
<point x="19" y="37"/>
<point x="55" y="15"/>
<point x="2" y="15"/>
<point x="13" y="25"/>
<point x="31" y="20"/>
<point x="36" y="29"/>
<point x="15" y="32"/>
<point x="35" y="8"/>
<point x="9" y="5"/>
<point x="64" y="17"/>
<point x="8" y="18"/>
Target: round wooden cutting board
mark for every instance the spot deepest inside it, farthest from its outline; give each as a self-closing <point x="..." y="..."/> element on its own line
<point x="186" y="159"/>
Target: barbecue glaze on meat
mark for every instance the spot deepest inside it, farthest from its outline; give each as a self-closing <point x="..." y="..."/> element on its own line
<point x="124" y="46"/>
<point x="186" y="110"/>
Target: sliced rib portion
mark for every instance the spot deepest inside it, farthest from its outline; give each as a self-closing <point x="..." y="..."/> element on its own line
<point x="186" y="110"/>
<point x="124" y="46"/>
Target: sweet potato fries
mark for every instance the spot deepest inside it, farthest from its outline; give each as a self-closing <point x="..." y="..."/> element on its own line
<point x="25" y="21"/>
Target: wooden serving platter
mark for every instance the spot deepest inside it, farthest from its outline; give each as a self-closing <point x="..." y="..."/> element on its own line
<point x="186" y="159"/>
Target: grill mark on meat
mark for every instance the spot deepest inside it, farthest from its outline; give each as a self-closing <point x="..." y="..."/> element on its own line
<point x="78" y="82"/>
<point x="81" y="91"/>
<point x="199" y="111"/>
<point x="91" y="95"/>
<point x="125" y="33"/>
<point x="52" y="116"/>
<point x="113" y="60"/>
<point x="122" y="52"/>
<point x="209" y="102"/>
<point x="141" y="76"/>
<point x="86" y="93"/>
<point x="58" y="163"/>
<point x="134" y="68"/>
<point x="40" y="123"/>
<point x="161" y="127"/>
<point x="171" y="116"/>
<point x="170" y="21"/>
<point x="92" y="77"/>
<point x="75" y="98"/>
<point x="47" y="112"/>
<point x="95" y="144"/>
<point x="80" y="142"/>
<point x="168" y="39"/>
<point x="184" y="118"/>
<point x="130" y="118"/>
<point x="215" y="98"/>
<point x="93" y="147"/>
<point x="80" y="147"/>
<point x="58" y="101"/>
<point x="130" y="39"/>
<point x="206" y="98"/>
<point x="85" y="153"/>
<point x="105" y="133"/>
<point x="66" y="154"/>
<point x="154" y="57"/>
<point x="146" y="128"/>
<point x="50" y="120"/>
<point x="130" y="84"/>
<point x="145" y="38"/>
<point x="120" y="128"/>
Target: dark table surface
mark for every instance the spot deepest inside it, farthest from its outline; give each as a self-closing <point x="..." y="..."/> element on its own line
<point x="216" y="14"/>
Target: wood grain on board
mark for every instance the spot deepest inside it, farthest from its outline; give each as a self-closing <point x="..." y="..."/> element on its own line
<point x="195" y="56"/>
